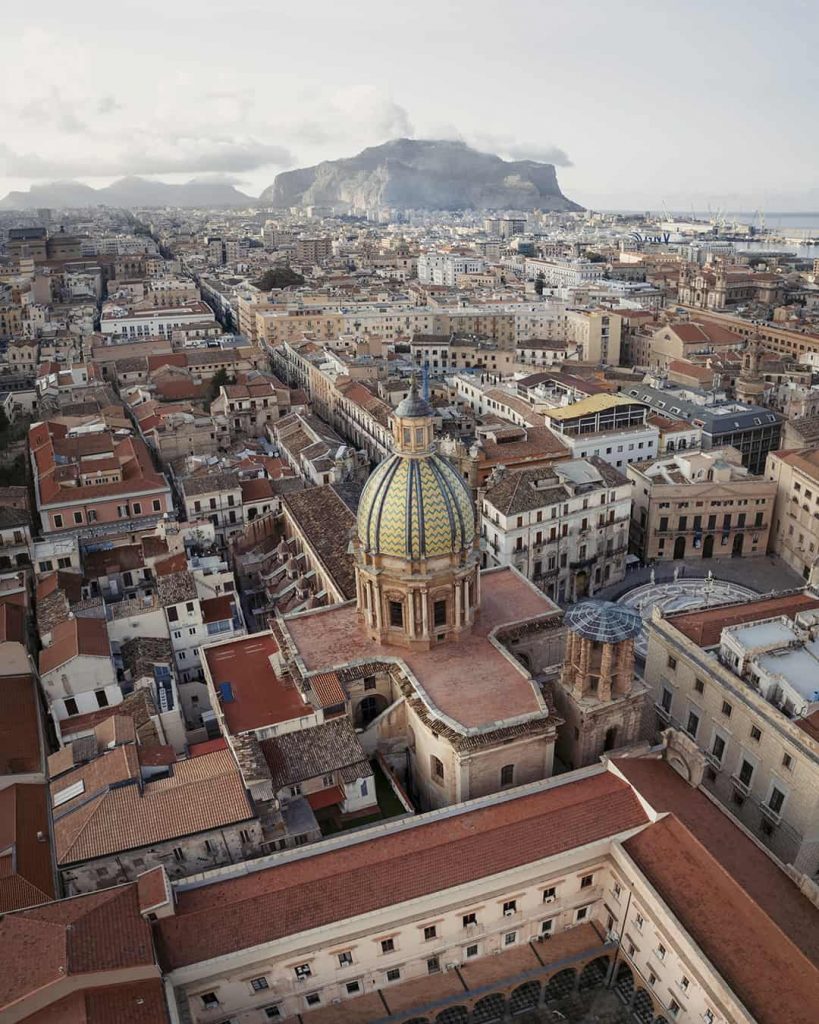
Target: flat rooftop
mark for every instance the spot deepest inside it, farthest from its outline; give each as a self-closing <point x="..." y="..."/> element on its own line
<point x="798" y="666"/>
<point x="260" y="696"/>
<point x="764" y="634"/>
<point x="469" y="680"/>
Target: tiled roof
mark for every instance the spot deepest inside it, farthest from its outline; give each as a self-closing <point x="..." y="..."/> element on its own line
<point x="138" y="706"/>
<point x="20" y="751"/>
<point x="137" y="1002"/>
<point x="202" y="793"/>
<point x="768" y="972"/>
<point x="209" y="483"/>
<point x="284" y="900"/>
<point x="705" y="626"/>
<point x="75" y="638"/>
<point x="175" y="588"/>
<point x="307" y="753"/>
<point x="326" y="522"/>
<point x="102" y="931"/>
<point x="26" y="877"/>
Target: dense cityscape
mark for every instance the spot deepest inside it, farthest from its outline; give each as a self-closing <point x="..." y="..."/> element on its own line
<point x="409" y="571"/>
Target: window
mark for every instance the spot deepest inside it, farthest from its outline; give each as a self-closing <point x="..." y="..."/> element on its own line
<point x="471" y="951"/>
<point x="666" y="697"/>
<point x="173" y="615"/>
<point x="639" y="920"/>
<point x="661" y="952"/>
<point x="652" y="978"/>
<point x="746" y="773"/>
<point x="345" y="959"/>
<point x="787" y="761"/>
<point x="78" y="517"/>
<point x="693" y="724"/>
<point x="71" y="706"/>
<point x="437" y="768"/>
<point x="369" y="682"/>
<point x="178" y="853"/>
<point x="157" y="508"/>
<point x="353" y="987"/>
<point x="672" y="662"/>
<point x="510" y="907"/>
<point x="708" y="1017"/>
<point x="137" y="507"/>
<point x="327" y="781"/>
<point x="209" y="1000"/>
<point x="430" y="932"/>
<point x="433" y="965"/>
<point x="699" y="685"/>
<point x="726" y="709"/>
<point x="259" y="984"/>
<point x="510" y="938"/>
<point x="507" y="775"/>
<point x="617" y="890"/>
<point x="586" y="881"/>
<point x="469" y="919"/>
<point x="546" y="927"/>
<point x="439" y="613"/>
<point x="548" y="895"/>
<point x="684" y="983"/>
<point x="396" y="614"/>
<point x="718" y="749"/>
<point x="394" y="974"/>
<point x="755" y="734"/>
<point x="673" y="1007"/>
<point x="582" y="914"/>
<point x="313" y="999"/>
<point x="272" y="1012"/>
<point x="302" y="971"/>
<point x="776" y="799"/>
<point x="387" y="945"/>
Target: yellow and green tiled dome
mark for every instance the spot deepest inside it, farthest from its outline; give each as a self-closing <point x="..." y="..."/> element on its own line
<point x="415" y="508"/>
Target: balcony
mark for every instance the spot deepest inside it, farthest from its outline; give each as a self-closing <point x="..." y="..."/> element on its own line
<point x="743" y="788"/>
<point x="583" y="563"/>
<point x="772" y="815"/>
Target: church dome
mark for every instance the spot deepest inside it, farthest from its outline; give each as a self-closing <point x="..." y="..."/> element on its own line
<point x="415" y="508"/>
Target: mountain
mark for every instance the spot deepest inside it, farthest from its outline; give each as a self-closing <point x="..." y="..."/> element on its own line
<point x="127" y="193"/>
<point x="421" y="174"/>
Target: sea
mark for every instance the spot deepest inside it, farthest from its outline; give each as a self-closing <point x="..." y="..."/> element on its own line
<point x="792" y="226"/>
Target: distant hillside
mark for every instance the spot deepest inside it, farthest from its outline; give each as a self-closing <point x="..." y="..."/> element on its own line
<point x="421" y="174"/>
<point x="127" y="193"/>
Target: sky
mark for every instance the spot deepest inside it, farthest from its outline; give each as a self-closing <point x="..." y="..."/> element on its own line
<point x="639" y="104"/>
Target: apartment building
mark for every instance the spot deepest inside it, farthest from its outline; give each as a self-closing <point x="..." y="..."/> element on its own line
<point x="699" y="505"/>
<point x="564" y="273"/>
<point x="740" y="681"/>
<point x="565" y="527"/>
<point x="446" y="268"/>
<point x="77" y="673"/>
<point x="444" y="353"/>
<point x="595" y="335"/>
<point x="795" y="531"/>
<point x="119" y="321"/>
<point x="612" y="427"/>
<point x="313" y="249"/>
<point x="216" y="497"/>
<point x="15" y="537"/>
<point x="95" y="484"/>
<point x="248" y="407"/>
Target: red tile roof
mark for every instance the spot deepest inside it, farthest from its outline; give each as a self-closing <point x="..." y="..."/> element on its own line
<point x="207" y="747"/>
<point x="705" y="626"/>
<point x="217" y="609"/>
<point x="444" y="852"/>
<point x="20" y="751"/>
<point x="26" y="876"/>
<point x="768" y="972"/>
<point x="325" y="798"/>
<point x="138" y="1002"/>
<point x="102" y="931"/>
<point x="74" y="638"/>
<point x="171" y="564"/>
<point x="12" y="623"/>
<point x="750" y="867"/>
<point x="260" y="697"/>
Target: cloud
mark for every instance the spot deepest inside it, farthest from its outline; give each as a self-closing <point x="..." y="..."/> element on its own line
<point x="366" y="110"/>
<point x="108" y="105"/>
<point x="150" y="155"/>
<point x="507" y="146"/>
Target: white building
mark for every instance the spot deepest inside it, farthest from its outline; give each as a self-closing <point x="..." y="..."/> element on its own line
<point x="564" y="273"/>
<point x="445" y="268"/>
<point x="565" y="527"/>
<point x="611" y="427"/>
<point x="123" y="322"/>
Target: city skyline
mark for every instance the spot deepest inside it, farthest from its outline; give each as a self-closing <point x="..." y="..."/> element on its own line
<point x="620" y="105"/>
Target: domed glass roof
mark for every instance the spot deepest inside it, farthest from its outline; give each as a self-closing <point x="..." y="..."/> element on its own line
<point x="415" y="508"/>
<point x="604" y="621"/>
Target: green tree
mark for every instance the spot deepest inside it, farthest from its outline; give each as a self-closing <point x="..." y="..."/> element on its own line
<point x="219" y="380"/>
<point x="540" y="283"/>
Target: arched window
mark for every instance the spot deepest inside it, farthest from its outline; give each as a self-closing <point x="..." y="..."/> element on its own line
<point x="437" y="766"/>
<point x="508" y="775"/>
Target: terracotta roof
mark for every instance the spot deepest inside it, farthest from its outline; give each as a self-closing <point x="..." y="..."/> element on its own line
<point x="20" y="750"/>
<point x="102" y="931"/>
<point x="217" y="609"/>
<point x="206" y="747"/>
<point x="326" y="522"/>
<point x="202" y="793"/>
<point x="137" y="1002"/>
<point x="75" y="638"/>
<point x="138" y="706"/>
<point x="742" y="859"/>
<point x="256" y="489"/>
<point x="171" y="564"/>
<point x="705" y="626"/>
<point x="810" y="725"/>
<point x="318" y="889"/>
<point x="308" y="753"/>
<point x="153" y="889"/>
<point x="325" y="798"/>
<point x="260" y="697"/>
<point x="768" y="972"/>
<point x="26" y="876"/>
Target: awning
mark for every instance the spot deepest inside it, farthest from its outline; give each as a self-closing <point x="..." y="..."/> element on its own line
<point x="325" y="798"/>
